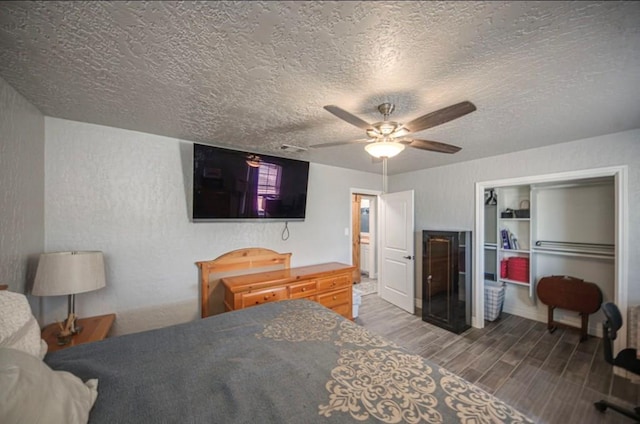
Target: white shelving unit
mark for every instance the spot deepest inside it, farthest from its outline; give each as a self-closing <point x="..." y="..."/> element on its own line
<point x="516" y="198"/>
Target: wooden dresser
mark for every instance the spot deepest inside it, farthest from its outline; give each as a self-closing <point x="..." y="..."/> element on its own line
<point x="329" y="284"/>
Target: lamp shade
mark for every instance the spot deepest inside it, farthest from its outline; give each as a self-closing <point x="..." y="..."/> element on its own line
<point x="63" y="273"/>
<point x="384" y="149"/>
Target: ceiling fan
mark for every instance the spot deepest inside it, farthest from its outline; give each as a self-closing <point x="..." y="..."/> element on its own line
<point x="387" y="138"/>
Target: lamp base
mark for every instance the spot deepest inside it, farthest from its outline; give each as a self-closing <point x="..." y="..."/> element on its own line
<point x="63" y="339"/>
<point x="71" y="325"/>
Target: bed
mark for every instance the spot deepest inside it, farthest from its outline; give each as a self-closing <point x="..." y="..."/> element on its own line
<point x="292" y="361"/>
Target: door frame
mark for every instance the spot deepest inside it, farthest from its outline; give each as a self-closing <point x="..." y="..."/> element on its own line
<point x="356" y="200"/>
<point x="621" y="280"/>
<point x="352" y="230"/>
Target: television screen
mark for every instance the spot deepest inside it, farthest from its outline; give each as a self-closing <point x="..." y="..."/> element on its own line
<point x="233" y="185"/>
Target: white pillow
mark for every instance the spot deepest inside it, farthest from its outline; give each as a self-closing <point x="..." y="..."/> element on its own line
<point x="18" y="327"/>
<point x="34" y="393"/>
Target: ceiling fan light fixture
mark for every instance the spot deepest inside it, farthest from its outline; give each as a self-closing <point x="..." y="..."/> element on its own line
<point x="384" y="149"/>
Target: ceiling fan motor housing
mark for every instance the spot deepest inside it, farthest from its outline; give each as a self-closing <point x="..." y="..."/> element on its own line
<point x="386" y="109"/>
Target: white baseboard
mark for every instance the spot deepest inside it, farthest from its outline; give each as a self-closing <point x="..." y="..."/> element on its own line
<point x="594" y="328"/>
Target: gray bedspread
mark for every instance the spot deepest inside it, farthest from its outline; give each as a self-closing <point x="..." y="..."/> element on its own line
<point x="285" y="362"/>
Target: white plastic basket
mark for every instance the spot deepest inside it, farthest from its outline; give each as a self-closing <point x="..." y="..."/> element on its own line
<point x="493" y="300"/>
<point x="357" y="301"/>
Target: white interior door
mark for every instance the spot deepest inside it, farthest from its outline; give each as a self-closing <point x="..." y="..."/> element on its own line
<point x="396" y="273"/>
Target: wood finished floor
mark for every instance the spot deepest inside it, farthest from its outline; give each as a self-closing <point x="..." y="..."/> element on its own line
<point x="552" y="378"/>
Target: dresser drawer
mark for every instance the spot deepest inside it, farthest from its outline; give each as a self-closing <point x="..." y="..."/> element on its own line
<point x="264" y="296"/>
<point x="329" y="284"/>
<point x="335" y="282"/>
<point x="343" y="310"/>
<point x="335" y="298"/>
<point x="305" y="289"/>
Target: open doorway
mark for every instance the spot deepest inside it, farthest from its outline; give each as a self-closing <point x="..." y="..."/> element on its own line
<point x="364" y="239"/>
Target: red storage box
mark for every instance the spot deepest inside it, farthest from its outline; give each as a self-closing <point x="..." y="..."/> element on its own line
<point x="503" y="268"/>
<point x="518" y="269"/>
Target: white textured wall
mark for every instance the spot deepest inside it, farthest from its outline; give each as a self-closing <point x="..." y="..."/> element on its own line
<point x="128" y="194"/>
<point x="21" y="188"/>
<point x="444" y="196"/>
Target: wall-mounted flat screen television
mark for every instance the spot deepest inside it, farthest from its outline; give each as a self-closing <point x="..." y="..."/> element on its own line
<point x="231" y="185"/>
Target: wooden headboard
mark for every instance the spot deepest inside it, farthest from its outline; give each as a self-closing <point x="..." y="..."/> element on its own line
<point x="236" y="262"/>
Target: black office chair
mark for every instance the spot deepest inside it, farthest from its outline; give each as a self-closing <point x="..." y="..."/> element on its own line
<point x="626" y="358"/>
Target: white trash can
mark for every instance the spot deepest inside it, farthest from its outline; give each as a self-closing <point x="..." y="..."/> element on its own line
<point x="357" y="301"/>
<point x="493" y="300"/>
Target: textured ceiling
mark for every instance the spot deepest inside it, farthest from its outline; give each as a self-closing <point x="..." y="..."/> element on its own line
<point x="255" y="75"/>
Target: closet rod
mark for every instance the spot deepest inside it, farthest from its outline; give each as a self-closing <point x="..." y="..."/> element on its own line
<point x="541" y="243"/>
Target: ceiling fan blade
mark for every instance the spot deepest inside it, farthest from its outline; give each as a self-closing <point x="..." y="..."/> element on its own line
<point x="340" y="143"/>
<point x="350" y="118"/>
<point x="434" y="146"/>
<point x="440" y="116"/>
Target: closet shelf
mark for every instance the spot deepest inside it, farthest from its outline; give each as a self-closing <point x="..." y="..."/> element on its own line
<point x="516" y="282"/>
<point x="515" y="251"/>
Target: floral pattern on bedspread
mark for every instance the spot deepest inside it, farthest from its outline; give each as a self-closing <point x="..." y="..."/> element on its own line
<point x="375" y="379"/>
<point x="300" y="322"/>
<point x="390" y="385"/>
<point x="360" y="336"/>
<point x="474" y="405"/>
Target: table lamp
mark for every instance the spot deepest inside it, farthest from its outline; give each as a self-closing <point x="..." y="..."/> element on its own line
<point x="68" y="273"/>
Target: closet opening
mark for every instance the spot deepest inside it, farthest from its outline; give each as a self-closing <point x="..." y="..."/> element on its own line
<point x="571" y="223"/>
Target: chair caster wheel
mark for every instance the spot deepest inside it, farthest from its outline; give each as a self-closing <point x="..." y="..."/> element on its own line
<point x="600" y="406"/>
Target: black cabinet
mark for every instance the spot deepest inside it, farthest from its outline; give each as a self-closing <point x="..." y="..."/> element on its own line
<point x="446" y="279"/>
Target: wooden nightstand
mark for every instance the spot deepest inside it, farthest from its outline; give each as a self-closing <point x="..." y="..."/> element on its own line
<point x="94" y="329"/>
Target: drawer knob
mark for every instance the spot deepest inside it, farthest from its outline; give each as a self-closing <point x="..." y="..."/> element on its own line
<point x="335" y="297"/>
<point x="266" y="297"/>
<point x="304" y="289"/>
